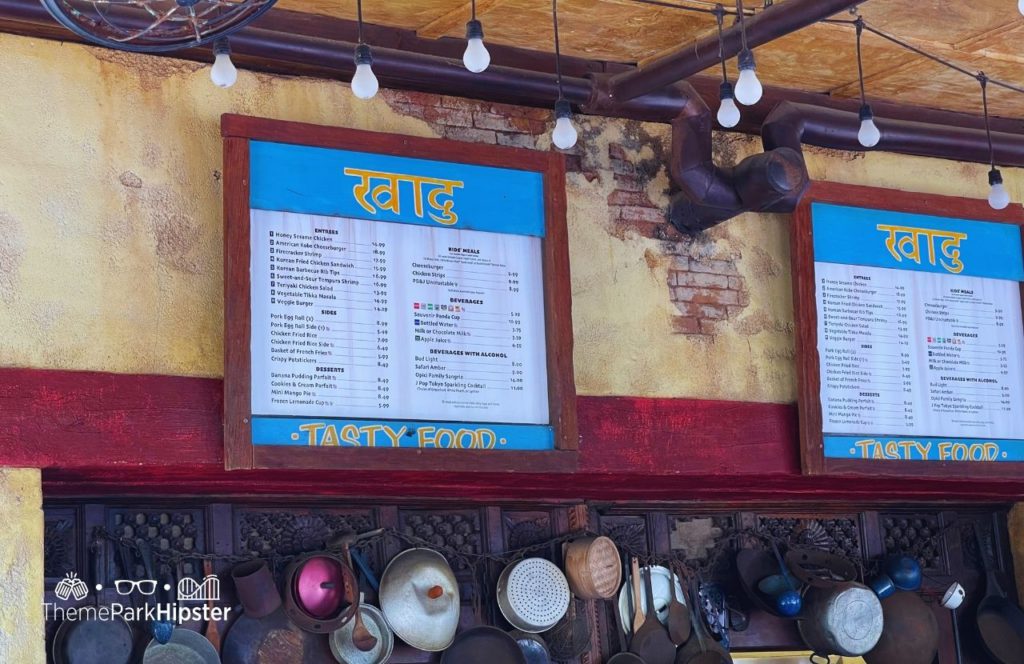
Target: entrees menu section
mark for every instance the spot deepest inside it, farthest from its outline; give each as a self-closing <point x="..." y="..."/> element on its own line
<point x="396" y="302"/>
<point x="920" y="337"/>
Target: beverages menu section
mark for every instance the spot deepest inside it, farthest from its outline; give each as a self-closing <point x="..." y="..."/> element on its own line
<point x="920" y="337"/>
<point x="390" y="310"/>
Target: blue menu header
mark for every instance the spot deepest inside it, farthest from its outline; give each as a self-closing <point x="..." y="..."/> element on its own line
<point x="361" y="185"/>
<point x="903" y="241"/>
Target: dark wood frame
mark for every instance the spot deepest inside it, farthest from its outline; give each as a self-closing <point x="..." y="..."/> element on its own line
<point x="812" y="451"/>
<point x="240" y="453"/>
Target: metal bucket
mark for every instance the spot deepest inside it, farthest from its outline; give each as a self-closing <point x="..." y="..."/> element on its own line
<point x="845" y="619"/>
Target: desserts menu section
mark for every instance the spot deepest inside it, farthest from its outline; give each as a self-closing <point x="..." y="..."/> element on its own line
<point x="920" y="336"/>
<point x="389" y="321"/>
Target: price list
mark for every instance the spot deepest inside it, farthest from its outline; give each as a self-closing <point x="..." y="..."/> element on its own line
<point x="913" y="353"/>
<point x="383" y="321"/>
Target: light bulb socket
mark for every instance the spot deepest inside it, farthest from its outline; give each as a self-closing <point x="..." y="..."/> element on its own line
<point x="746" y="60"/>
<point x="363" y="55"/>
<point x="726" y="91"/>
<point x="562" y="109"/>
<point x="221" y="46"/>
<point x="866" y="113"/>
<point x="994" y="177"/>
<point x="474" y="29"/>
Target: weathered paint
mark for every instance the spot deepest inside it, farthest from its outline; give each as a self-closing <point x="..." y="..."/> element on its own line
<point x="110" y="225"/>
<point x="21" y="567"/>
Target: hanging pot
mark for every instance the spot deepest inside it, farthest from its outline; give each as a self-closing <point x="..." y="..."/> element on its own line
<point x="255" y="587"/>
<point x="533" y="595"/>
<point x="321" y="593"/>
<point x="910" y="634"/>
<point x="843" y="619"/>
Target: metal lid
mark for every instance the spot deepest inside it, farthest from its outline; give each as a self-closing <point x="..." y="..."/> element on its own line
<point x="420" y="599"/>
<point x="536" y="594"/>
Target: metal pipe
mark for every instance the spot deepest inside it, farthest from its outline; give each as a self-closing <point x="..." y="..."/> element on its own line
<point x="774" y="22"/>
<point x="791" y="125"/>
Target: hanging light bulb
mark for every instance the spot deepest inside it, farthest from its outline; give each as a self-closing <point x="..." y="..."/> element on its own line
<point x="868" y="136"/>
<point x="223" y="72"/>
<point x="564" y="135"/>
<point x="364" y="83"/>
<point x="476" y="58"/>
<point x="748" y="88"/>
<point x="1020" y="6"/>
<point x="998" y="197"/>
<point x="728" y="111"/>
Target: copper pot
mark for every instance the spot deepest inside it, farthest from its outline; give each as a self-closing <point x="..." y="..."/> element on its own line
<point x="593" y="568"/>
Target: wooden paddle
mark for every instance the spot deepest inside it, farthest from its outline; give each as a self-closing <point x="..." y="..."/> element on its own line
<point x="678" y="614"/>
<point x="638" y="598"/>
<point x="651" y="642"/>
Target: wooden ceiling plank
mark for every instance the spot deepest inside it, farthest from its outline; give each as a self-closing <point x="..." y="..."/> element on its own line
<point x="452" y="21"/>
<point x="852" y="88"/>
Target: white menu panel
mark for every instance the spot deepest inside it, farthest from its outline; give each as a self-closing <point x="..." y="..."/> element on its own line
<point x="385" y="321"/>
<point x="912" y="353"/>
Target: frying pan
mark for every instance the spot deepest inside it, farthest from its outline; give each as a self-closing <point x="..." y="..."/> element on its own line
<point x="1000" y="621"/>
<point x="94" y="641"/>
<point x="483" y="644"/>
<point x="185" y="647"/>
<point x="702" y="647"/>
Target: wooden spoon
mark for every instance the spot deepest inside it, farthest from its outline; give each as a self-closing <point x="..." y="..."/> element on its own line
<point x="212" y="632"/>
<point x="638" y="598"/>
<point x="361" y="637"/>
<point x="678" y="615"/>
<point x="651" y="642"/>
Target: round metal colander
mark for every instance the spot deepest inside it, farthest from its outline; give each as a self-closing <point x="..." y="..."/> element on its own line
<point x="533" y="594"/>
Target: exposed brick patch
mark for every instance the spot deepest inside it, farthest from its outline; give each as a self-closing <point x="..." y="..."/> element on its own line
<point x="705" y="291"/>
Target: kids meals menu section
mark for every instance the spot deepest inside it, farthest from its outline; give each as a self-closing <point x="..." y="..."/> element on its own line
<point x="396" y="302"/>
<point x="920" y="338"/>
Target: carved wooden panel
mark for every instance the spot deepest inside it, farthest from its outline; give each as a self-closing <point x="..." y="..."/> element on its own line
<point x="460" y="530"/>
<point x="60" y="545"/>
<point x="915" y="535"/>
<point x="164" y="530"/>
<point x="838" y="534"/>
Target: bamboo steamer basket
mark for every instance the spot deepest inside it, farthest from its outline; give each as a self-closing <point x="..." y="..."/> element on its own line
<point x="593" y="567"/>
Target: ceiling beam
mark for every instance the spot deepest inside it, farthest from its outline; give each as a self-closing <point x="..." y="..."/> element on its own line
<point x="774" y="22"/>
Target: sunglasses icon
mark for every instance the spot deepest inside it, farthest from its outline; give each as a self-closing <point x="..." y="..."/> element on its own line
<point x="126" y="586"/>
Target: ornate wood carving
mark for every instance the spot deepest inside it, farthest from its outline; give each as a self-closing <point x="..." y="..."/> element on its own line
<point x="917" y="535"/>
<point x="840" y="535"/>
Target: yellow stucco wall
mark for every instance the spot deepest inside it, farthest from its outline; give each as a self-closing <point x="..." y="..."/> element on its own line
<point x="110" y="228"/>
<point x="21" y="567"/>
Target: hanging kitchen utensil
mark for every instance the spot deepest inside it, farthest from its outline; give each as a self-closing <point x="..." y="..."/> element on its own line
<point x="273" y="639"/>
<point x="819" y="569"/>
<point x="254" y="585"/>
<point x="678" y="616"/>
<point x="715" y="610"/>
<point x="843" y="619"/>
<point x="651" y="642"/>
<point x="533" y="594"/>
<point x="788" y="602"/>
<point x="361" y="637"/>
<point x="91" y="640"/>
<point x="910" y="632"/>
<point x="320" y="592"/>
<point x="212" y="631"/>
<point x="570" y="637"/>
<point x="593" y="568"/>
<point x="483" y="644"/>
<point x="638" y="598"/>
<point x="760" y="579"/>
<point x="161" y="629"/>
<point x="345" y="650"/>
<point x="420" y="599"/>
<point x="662" y="596"/>
<point x="702" y="647"/>
<point x="184" y="647"/>
<point x="1000" y="621"/>
<point x="535" y="649"/>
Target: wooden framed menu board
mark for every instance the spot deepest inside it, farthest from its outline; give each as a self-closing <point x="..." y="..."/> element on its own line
<point x="910" y="341"/>
<point x="394" y="302"/>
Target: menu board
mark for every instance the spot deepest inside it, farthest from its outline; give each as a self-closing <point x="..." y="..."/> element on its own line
<point x="919" y="336"/>
<point x="388" y="292"/>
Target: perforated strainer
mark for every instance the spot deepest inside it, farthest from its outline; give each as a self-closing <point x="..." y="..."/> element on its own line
<point x="533" y="594"/>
